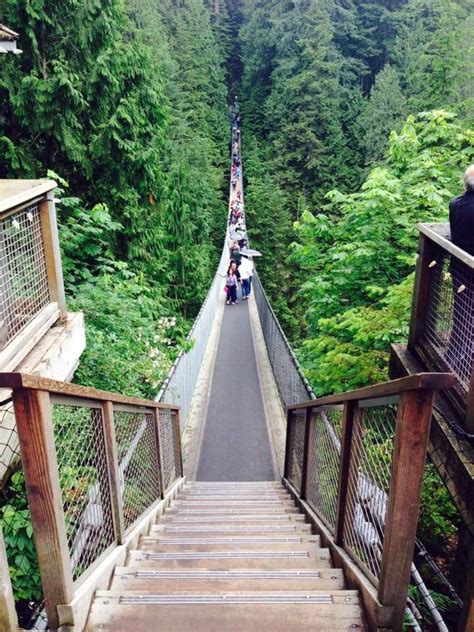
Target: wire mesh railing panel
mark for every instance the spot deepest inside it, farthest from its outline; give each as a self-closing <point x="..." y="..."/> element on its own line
<point x="138" y="461"/>
<point x="181" y="382"/>
<point x="171" y="458"/>
<point x="83" y="477"/>
<point x="24" y="289"/>
<point x="368" y="484"/>
<point x="448" y="336"/>
<point x="292" y="384"/>
<point x="323" y="464"/>
<point x="295" y="447"/>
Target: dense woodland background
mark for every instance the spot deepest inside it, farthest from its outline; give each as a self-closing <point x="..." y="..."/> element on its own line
<point x="357" y="123"/>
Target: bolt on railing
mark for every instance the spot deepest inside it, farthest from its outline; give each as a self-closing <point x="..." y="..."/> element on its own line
<point x="31" y="282"/>
<point x="95" y="463"/>
<point x="357" y="460"/>
<point x="442" y="327"/>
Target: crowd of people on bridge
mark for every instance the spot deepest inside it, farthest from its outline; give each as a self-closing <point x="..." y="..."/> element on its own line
<point x="240" y="269"/>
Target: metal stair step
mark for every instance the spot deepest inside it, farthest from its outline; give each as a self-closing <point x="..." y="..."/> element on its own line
<point x="126" y="578"/>
<point x="251" y="519"/>
<point x="228" y="560"/>
<point x="232" y="510"/>
<point x="225" y="543"/>
<point x="230" y="612"/>
<point x="225" y="529"/>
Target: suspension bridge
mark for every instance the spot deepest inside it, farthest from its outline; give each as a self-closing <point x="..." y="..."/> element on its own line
<point x="237" y="500"/>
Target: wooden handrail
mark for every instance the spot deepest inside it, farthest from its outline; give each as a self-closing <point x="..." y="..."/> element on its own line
<point x="33" y="382"/>
<point x="441" y="234"/>
<point x="33" y="398"/>
<point x="418" y="381"/>
<point x="410" y="441"/>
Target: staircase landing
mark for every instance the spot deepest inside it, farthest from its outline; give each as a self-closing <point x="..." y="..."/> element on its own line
<point x="228" y="557"/>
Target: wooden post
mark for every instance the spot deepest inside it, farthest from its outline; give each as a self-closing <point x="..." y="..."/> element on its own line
<point x="344" y="469"/>
<point x="306" y="444"/>
<point x="286" y="467"/>
<point x="177" y="440"/>
<point x="427" y="253"/>
<point x="408" y="460"/>
<point x="52" y="253"/>
<point x="113" y="471"/>
<point x="8" y="618"/>
<point x="156" y="414"/>
<point x="38" y="455"/>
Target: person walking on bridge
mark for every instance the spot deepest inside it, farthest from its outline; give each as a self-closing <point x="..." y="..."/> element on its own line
<point x="231" y="285"/>
<point x="246" y="271"/>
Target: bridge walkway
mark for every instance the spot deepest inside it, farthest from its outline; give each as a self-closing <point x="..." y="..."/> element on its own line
<point x="235" y="443"/>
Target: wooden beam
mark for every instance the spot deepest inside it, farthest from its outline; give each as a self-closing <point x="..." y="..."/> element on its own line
<point x="113" y="471"/>
<point x="428" y="251"/>
<point x="452" y="455"/>
<point x="177" y="441"/>
<point x="38" y="455"/>
<point x="306" y="447"/>
<point x="8" y="618"/>
<point x="26" y="381"/>
<point x="344" y="469"/>
<point x="52" y="253"/>
<point x="408" y="460"/>
<point x="440" y="234"/>
<point x="430" y="381"/>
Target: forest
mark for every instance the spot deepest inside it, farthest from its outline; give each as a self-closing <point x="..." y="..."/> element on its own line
<point x="358" y="121"/>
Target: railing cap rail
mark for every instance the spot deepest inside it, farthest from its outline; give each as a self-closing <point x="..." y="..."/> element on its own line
<point x="418" y="381"/>
<point x="33" y="382"/>
<point x="15" y="193"/>
<point x="441" y="235"/>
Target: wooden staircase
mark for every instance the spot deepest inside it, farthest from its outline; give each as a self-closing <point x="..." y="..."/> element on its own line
<point x="228" y="556"/>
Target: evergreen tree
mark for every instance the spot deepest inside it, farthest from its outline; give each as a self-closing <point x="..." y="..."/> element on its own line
<point x="385" y="111"/>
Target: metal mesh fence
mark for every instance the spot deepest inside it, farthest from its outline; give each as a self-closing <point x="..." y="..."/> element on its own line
<point x="293" y="386"/>
<point x="368" y="484"/>
<point x="83" y="477"/>
<point x="169" y="440"/>
<point x="138" y="460"/>
<point x="323" y="464"/>
<point x="448" y="336"/>
<point x="179" y="386"/>
<point x="295" y="447"/>
<point x="24" y="289"/>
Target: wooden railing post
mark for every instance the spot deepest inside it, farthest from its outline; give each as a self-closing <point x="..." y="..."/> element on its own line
<point x="177" y="440"/>
<point x="286" y="466"/>
<point x="408" y="460"/>
<point x="116" y="495"/>
<point x="156" y="414"/>
<point x="52" y="253"/>
<point x="40" y="466"/>
<point x="423" y="275"/>
<point x="306" y="444"/>
<point x="344" y="469"/>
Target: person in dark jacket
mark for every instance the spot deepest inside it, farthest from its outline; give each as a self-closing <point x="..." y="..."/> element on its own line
<point x="461" y="219"/>
<point x="461" y="215"/>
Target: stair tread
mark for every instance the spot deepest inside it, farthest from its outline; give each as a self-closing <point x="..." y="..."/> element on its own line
<point x="227" y="560"/>
<point x="107" y="613"/>
<point x="126" y="578"/>
<point x="296" y="543"/>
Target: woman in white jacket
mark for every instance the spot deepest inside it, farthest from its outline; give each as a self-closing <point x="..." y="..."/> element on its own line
<point x="246" y="273"/>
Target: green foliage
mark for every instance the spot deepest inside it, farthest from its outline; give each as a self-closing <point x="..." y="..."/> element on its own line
<point x="439" y="518"/>
<point x="356" y="257"/>
<point x="18" y="536"/>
